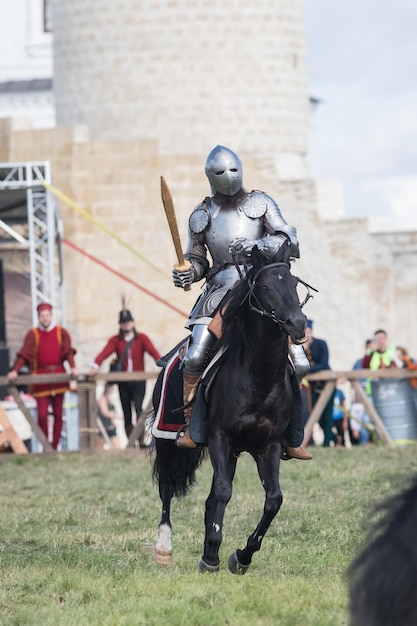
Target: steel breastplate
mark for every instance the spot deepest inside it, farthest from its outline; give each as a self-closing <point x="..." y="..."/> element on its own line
<point x="219" y="227"/>
<point x="224" y="226"/>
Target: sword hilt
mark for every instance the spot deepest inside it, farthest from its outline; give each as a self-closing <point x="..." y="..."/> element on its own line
<point x="183" y="268"/>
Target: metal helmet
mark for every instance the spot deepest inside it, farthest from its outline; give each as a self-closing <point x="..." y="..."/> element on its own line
<point x="224" y="171"/>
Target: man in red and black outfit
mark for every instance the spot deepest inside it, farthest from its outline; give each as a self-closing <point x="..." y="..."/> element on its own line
<point x="45" y="350"/>
<point x="129" y="347"/>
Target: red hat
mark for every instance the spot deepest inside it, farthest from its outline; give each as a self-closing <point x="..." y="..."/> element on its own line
<point x="43" y="306"/>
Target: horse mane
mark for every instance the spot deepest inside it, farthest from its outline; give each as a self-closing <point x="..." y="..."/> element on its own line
<point x="234" y="314"/>
<point x="235" y="306"/>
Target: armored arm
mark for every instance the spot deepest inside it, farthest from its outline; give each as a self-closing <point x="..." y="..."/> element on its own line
<point x="270" y="244"/>
<point x="196" y="252"/>
<point x="277" y="231"/>
<point x="277" y="226"/>
<point x="26" y="354"/>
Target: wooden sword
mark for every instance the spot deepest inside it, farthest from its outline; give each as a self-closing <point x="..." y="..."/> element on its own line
<point x="168" y="203"/>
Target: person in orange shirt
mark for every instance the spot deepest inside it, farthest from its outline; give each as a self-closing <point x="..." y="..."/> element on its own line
<point x="408" y="363"/>
<point x="45" y="350"/>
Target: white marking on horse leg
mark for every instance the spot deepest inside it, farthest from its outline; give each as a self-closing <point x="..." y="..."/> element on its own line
<point x="163" y="547"/>
<point x="164" y="538"/>
<point x="216" y="527"/>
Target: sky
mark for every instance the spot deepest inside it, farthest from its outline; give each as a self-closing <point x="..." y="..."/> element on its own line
<point x="362" y="66"/>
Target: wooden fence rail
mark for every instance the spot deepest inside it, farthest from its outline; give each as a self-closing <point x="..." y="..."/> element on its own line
<point x="87" y="405"/>
<point x="330" y="378"/>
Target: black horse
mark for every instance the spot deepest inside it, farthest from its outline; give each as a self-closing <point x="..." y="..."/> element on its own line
<point x="249" y="407"/>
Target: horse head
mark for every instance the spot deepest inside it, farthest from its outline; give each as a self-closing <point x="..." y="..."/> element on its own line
<point x="273" y="292"/>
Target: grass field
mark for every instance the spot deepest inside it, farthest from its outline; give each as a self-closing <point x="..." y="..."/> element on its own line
<point x="77" y="531"/>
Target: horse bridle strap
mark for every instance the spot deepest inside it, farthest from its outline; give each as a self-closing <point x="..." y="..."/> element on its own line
<point x="253" y="297"/>
<point x="309" y="295"/>
<point x="256" y="305"/>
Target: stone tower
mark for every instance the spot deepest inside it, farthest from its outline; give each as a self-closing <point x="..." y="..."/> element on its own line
<point x="189" y="74"/>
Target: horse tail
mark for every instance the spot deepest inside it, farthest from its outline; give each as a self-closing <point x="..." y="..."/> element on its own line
<point x="176" y="467"/>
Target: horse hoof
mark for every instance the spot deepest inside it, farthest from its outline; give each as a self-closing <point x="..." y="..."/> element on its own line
<point x="162" y="557"/>
<point x="235" y="567"/>
<point x="205" y="567"/>
<point x="162" y="550"/>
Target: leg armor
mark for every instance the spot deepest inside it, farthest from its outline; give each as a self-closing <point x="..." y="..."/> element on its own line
<point x="299" y="361"/>
<point x="197" y="355"/>
<point x="195" y="360"/>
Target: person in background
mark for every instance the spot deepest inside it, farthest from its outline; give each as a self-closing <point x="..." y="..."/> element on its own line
<point x="107" y="415"/>
<point x="130" y="348"/>
<point x="370" y="346"/>
<point x="340" y="414"/>
<point x="407" y="362"/>
<point x="45" y="350"/>
<point x="382" y="357"/>
<point x="305" y="391"/>
<point x="317" y="354"/>
<point x="360" y="433"/>
<point x="360" y="425"/>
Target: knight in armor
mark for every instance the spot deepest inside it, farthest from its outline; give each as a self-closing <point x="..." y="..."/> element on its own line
<point x="228" y="224"/>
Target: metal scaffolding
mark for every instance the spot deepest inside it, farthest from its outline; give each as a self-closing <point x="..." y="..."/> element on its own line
<point x="27" y="207"/>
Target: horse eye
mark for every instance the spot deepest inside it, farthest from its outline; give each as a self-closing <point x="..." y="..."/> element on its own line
<point x="264" y="288"/>
<point x="220" y="172"/>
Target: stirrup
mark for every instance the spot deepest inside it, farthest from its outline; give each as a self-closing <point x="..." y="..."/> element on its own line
<point x="183" y="439"/>
<point x="284" y="455"/>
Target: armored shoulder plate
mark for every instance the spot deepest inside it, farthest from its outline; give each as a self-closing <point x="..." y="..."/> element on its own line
<point x="257" y="204"/>
<point x="199" y="218"/>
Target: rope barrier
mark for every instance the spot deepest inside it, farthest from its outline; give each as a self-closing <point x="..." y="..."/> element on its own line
<point x="123" y="277"/>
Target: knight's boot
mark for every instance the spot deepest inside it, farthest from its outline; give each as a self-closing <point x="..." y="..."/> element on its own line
<point x="183" y="436"/>
<point x="299" y="360"/>
<point x="296" y="453"/>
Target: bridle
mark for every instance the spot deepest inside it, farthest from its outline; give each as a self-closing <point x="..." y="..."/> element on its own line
<point x="256" y="305"/>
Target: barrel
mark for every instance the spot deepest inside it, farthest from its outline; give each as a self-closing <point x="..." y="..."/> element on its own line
<point x="395" y="401"/>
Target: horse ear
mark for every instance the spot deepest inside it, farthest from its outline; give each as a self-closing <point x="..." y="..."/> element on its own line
<point x="257" y="256"/>
<point x="283" y="254"/>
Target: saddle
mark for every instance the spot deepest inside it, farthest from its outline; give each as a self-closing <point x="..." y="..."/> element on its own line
<point x="169" y="414"/>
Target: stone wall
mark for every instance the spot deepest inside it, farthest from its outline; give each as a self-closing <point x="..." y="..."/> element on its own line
<point x="191" y="74"/>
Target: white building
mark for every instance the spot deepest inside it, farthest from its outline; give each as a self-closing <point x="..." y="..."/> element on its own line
<point x="26" y="64"/>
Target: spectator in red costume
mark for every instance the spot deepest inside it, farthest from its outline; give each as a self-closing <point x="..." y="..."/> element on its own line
<point x="45" y="350"/>
<point x="129" y="346"/>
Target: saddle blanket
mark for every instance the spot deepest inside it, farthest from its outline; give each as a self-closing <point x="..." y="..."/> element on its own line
<point x="169" y="416"/>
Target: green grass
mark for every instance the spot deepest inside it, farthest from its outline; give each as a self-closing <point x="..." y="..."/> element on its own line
<point x="77" y="531"/>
